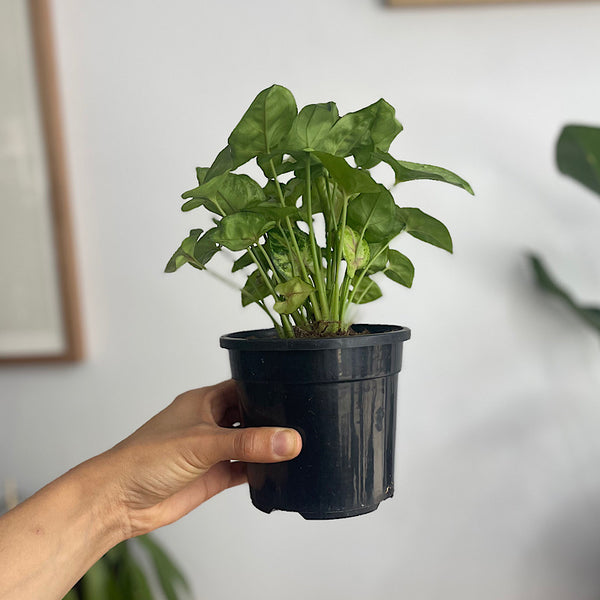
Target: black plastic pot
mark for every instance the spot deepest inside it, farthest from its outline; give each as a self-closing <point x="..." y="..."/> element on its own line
<point x="340" y="394"/>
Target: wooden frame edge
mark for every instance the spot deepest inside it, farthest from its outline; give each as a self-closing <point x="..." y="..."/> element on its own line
<point x="40" y="22"/>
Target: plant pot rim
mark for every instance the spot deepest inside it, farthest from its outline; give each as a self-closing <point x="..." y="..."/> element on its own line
<point x="266" y="339"/>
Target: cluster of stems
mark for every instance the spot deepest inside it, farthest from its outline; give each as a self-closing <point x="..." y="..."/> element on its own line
<point x="325" y="308"/>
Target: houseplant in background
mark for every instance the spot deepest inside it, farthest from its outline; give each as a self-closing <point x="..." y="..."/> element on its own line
<point x="315" y="232"/>
<point x="119" y="575"/>
<point x="577" y="156"/>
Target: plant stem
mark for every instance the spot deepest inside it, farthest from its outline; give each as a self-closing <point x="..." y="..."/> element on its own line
<point x="287" y="326"/>
<point x="271" y="266"/>
<point x="335" y="302"/>
<point x="364" y="272"/>
<point x="313" y="246"/>
<point x="313" y="296"/>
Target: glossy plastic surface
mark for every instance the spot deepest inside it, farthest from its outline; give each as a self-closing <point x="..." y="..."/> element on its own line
<point x="340" y="394"/>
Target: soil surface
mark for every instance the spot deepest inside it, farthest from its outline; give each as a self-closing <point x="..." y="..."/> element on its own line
<point x="321" y="329"/>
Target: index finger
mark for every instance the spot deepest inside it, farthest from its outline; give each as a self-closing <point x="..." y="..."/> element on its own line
<point x="224" y="402"/>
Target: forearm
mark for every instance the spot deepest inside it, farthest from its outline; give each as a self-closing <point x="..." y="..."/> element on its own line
<point x="49" y="541"/>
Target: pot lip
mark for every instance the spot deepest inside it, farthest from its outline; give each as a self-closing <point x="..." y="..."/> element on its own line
<point x="266" y="339"/>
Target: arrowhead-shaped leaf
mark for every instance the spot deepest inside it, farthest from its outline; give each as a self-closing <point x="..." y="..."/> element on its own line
<point x="367" y="291"/>
<point x="295" y="292"/>
<point x="425" y="227"/>
<point x="264" y="125"/>
<point x="409" y="171"/>
<point x="241" y="230"/>
<point x="356" y="251"/>
<point x="255" y="289"/>
<point x="376" y="213"/>
<point x="399" y="269"/>
<point x="226" y="194"/>
<point x="194" y="249"/>
<point x="311" y="126"/>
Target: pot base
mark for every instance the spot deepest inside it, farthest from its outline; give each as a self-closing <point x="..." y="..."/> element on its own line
<point x="322" y="516"/>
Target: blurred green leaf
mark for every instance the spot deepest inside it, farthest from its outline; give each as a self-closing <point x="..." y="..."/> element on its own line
<point x="171" y="579"/>
<point x="589" y="314"/>
<point x="578" y="155"/>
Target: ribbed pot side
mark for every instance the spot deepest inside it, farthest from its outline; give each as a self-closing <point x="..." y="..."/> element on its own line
<point x="340" y="394"/>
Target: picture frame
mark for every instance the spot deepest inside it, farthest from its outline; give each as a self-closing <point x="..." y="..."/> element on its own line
<point x="39" y="306"/>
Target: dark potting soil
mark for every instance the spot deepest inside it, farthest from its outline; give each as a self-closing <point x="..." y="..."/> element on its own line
<point x="320" y="330"/>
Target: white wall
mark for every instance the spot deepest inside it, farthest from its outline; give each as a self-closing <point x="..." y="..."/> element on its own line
<point x="498" y="486"/>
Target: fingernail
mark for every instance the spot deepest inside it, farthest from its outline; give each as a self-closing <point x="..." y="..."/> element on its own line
<point x="284" y="443"/>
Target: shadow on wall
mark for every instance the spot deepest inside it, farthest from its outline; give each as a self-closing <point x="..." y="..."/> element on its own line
<point x="566" y="555"/>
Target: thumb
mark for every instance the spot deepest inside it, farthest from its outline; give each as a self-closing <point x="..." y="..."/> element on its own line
<point x="256" y="444"/>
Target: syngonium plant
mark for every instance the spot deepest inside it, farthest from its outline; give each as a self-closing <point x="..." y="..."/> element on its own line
<point x="319" y="227"/>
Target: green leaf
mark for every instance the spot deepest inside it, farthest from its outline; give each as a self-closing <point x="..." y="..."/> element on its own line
<point x="311" y="126"/>
<point x="195" y="250"/>
<point x="276" y="213"/>
<point x="264" y="125"/>
<point x="367" y="291"/>
<point x="578" y="155"/>
<point x="382" y="131"/>
<point x="221" y="165"/>
<point x="170" y="577"/>
<point x="376" y="213"/>
<point x="589" y="314"/>
<point x="295" y="291"/>
<point x="204" y="249"/>
<point x="94" y="584"/>
<point x="71" y="595"/>
<point x="351" y="180"/>
<point x="225" y="195"/>
<point x="185" y="250"/>
<point x="242" y="262"/>
<point x="399" y="269"/>
<point x="201" y="173"/>
<point x="409" y="171"/>
<point x="425" y="228"/>
<point x="379" y="257"/>
<point x="281" y="250"/>
<point x="355" y="250"/>
<point x="255" y="289"/>
<point x="241" y="230"/>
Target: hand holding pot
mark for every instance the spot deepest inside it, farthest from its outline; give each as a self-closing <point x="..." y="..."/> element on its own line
<point x="169" y="466"/>
<point x="181" y="457"/>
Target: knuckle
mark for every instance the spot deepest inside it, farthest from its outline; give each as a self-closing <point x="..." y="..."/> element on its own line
<point x="246" y="444"/>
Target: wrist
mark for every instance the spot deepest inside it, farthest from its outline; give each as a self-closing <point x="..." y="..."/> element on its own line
<point x="95" y="483"/>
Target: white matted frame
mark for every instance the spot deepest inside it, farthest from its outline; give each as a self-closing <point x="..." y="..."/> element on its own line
<point x="39" y="311"/>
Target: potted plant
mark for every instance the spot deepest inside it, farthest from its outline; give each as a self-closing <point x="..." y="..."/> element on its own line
<point x="578" y="157"/>
<point x="314" y="234"/>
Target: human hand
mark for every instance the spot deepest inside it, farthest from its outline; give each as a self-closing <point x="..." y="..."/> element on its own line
<point x="182" y="457"/>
